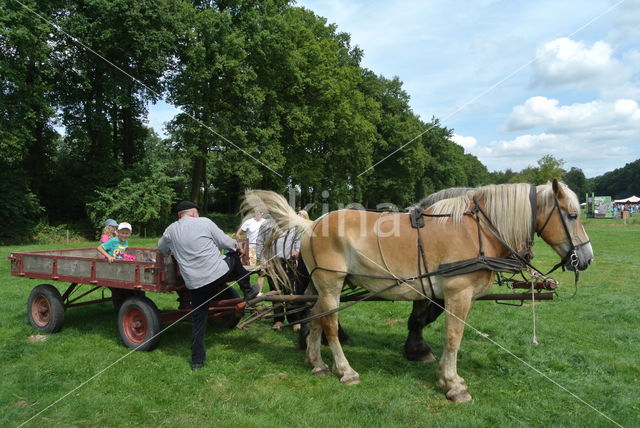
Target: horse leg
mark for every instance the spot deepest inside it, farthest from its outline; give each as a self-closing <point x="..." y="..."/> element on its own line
<point x="347" y="375"/>
<point x="302" y="281"/>
<point x="303" y="333"/>
<point x="424" y="313"/>
<point x="458" y="299"/>
<point x="318" y="366"/>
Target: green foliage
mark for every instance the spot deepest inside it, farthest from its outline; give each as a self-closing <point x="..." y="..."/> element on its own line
<point x="227" y="222"/>
<point x="619" y="183"/>
<point x="548" y="168"/>
<point x="142" y="203"/>
<point x="577" y="182"/>
<point x="20" y="207"/>
<point x="47" y="234"/>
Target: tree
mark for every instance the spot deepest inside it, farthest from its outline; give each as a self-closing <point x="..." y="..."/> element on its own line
<point x="619" y="183"/>
<point x="143" y="203"/>
<point x="502" y="177"/>
<point x="213" y="83"/>
<point x="26" y="116"/>
<point x="20" y="208"/>
<point x="577" y="182"/>
<point x="549" y="168"/>
<point x="397" y="178"/>
<point x="103" y="108"/>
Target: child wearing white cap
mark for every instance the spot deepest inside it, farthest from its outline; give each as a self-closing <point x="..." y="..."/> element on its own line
<point x="115" y="248"/>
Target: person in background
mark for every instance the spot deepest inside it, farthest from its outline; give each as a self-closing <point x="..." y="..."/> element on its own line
<point x="195" y="243"/>
<point x="109" y="230"/>
<point x="283" y="257"/>
<point x="252" y="229"/>
<point x="263" y="233"/>
<point x="115" y="248"/>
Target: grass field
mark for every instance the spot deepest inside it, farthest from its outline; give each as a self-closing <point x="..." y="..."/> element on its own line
<point x="589" y="345"/>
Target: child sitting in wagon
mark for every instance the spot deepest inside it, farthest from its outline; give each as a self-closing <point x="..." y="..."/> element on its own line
<point x="109" y="230"/>
<point x="115" y="248"/>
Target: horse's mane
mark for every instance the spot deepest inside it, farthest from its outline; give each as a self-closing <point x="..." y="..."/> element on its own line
<point x="507" y="205"/>
<point x="431" y="199"/>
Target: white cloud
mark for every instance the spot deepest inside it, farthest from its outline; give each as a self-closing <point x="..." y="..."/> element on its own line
<point x="565" y="62"/>
<point x="620" y="116"/>
<point x="466" y="142"/>
<point x="591" y="155"/>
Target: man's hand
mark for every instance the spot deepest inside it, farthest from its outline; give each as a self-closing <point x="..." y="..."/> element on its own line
<point x="239" y="249"/>
<point x="111" y="259"/>
<point x="295" y="254"/>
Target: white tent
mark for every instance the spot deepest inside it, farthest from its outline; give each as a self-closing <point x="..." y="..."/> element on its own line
<point x="630" y="200"/>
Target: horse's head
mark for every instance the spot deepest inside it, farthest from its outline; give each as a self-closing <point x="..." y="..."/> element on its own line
<point x="558" y="223"/>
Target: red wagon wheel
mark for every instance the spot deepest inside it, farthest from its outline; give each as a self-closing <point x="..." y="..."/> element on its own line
<point x="45" y="308"/>
<point x="139" y="323"/>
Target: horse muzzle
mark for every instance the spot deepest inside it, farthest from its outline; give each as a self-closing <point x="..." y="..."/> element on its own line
<point x="579" y="257"/>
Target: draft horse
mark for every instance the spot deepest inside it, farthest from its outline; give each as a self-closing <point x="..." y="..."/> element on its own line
<point x="391" y="256"/>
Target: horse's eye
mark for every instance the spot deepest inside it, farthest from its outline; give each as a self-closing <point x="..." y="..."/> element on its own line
<point x="572" y="216"/>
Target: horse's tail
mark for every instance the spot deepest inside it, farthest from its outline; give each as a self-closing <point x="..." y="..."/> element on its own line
<point x="287" y="223"/>
<point x="277" y="207"/>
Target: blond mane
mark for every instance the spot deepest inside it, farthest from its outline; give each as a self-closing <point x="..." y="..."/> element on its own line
<point x="507" y="205"/>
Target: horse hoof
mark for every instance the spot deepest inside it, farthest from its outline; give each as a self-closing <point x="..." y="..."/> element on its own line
<point x="350" y="380"/>
<point x="460" y="396"/>
<point x="429" y="358"/>
<point x="321" y="372"/>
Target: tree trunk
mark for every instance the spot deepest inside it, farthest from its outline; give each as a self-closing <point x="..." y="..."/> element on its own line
<point x="199" y="175"/>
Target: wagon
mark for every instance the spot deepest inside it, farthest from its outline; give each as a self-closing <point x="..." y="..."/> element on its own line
<point x="139" y="319"/>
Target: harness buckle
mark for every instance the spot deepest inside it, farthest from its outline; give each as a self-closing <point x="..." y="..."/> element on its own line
<point x="417" y="220"/>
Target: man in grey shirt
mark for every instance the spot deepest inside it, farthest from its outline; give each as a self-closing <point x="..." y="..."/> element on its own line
<point x="195" y="243"/>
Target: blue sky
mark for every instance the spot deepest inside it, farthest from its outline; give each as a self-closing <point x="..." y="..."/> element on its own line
<point x="515" y="80"/>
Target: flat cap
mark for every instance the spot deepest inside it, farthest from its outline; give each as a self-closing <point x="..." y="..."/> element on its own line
<point x="185" y="205"/>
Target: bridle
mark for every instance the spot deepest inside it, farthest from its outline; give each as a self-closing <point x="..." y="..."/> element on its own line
<point x="571" y="258"/>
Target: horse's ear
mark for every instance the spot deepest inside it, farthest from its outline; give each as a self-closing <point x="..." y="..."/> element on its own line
<point x="557" y="189"/>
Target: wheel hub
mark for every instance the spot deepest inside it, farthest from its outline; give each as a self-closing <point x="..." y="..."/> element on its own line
<point x="41" y="311"/>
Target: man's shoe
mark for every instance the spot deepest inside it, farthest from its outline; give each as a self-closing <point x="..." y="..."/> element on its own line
<point x="252" y="293"/>
<point x="196" y="366"/>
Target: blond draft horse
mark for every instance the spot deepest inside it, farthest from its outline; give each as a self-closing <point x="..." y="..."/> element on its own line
<point x="372" y="249"/>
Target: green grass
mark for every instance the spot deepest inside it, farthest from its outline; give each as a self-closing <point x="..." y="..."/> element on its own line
<point x="588" y="344"/>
